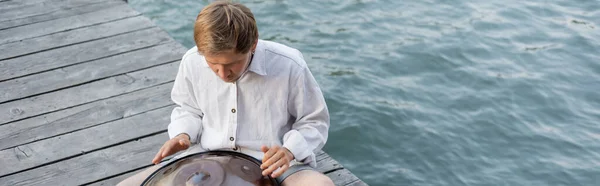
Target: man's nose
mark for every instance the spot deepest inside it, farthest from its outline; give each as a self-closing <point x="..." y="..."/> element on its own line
<point x="222" y="72"/>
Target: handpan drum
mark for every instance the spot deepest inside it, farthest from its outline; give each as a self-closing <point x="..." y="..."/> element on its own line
<point x="210" y="168"/>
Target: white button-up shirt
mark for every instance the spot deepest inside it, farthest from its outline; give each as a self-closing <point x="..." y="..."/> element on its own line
<point x="275" y="102"/>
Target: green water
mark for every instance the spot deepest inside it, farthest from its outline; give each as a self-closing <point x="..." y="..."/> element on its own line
<point x="444" y="92"/>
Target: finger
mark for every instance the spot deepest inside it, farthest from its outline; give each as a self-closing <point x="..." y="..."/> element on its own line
<point x="270" y="153"/>
<point x="281" y="170"/>
<point x="184" y="144"/>
<point x="158" y="156"/>
<point x="264" y="148"/>
<point x="271" y="160"/>
<point x="274" y="167"/>
<point x="268" y="162"/>
<point x="167" y="149"/>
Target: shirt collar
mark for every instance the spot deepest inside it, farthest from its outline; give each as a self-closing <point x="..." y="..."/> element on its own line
<point x="258" y="61"/>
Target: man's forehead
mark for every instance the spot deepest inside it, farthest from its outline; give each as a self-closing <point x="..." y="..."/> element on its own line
<point x="225" y="58"/>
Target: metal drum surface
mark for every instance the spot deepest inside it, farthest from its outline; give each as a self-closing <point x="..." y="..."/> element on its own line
<point x="210" y="168"/>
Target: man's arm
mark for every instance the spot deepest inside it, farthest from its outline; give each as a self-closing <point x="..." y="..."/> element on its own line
<point x="186" y="117"/>
<point x="310" y="130"/>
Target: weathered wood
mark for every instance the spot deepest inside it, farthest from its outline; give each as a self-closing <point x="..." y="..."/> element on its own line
<point x="15" y="4"/>
<point x="328" y="164"/>
<point x="86" y="93"/>
<point x="43" y="8"/>
<point x="87" y="72"/>
<point x="68" y="23"/>
<point x="361" y="183"/>
<point x="342" y="177"/>
<point x="91" y="166"/>
<point x="115" y="180"/>
<point x="84" y="116"/>
<point x="85" y="52"/>
<point x="63" y="146"/>
<point x="58" y="14"/>
<point x="61" y="39"/>
<point x="339" y="175"/>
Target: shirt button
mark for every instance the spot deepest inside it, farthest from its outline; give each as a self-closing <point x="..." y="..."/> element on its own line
<point x="233" y="110"/>
<point x="231" y="138"/>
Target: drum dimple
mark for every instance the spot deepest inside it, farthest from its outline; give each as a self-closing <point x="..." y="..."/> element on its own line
<point x="197" y="179"/>
<point x="211" y="172"/>
<point x="244" y="169"/>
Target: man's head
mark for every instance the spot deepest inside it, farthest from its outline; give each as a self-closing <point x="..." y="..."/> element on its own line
<point x="226" y="34"/>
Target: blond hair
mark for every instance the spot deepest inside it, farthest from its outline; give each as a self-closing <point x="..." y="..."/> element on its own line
<point x="224" y="25"/>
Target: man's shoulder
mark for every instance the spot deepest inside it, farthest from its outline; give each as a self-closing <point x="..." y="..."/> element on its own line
<point x="192" y="57"/>
<point x="191" y="53"/>
<point x="284" y="53"/>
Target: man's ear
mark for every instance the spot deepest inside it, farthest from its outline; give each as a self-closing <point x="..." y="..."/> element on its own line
<point x="254" y="46"/>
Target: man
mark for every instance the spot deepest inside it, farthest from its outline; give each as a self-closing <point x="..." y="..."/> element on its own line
<point x="239" y="93"/>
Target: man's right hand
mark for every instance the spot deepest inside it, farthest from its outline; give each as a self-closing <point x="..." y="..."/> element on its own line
<point x="172" y="146"/>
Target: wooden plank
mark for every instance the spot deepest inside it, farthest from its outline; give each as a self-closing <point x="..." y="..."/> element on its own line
<point x="86" y="93"/>
<point x="321" y="155"/>
<point x="335" y="170"/>
<point x="342" y="177"/>
<point x="59" y="14"/>
<point x="12" y="4"/>
<point x="61" y="39"/>
<point x="43" y="8"/>
<point x="63" y="146"/>
<point x="87" y="72"/>
<point x="328" y="164"/>
<point x="85" y="52"/>
<point x="64" y="24"/>
<point x="118" y="177"/>
<point x="115" y="180"/>
<point x="91" y="166"/>
<point x="83" y="116"/>
<point x="357" y="183"/>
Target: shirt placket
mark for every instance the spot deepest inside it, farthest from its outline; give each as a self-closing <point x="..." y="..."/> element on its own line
<point x="233" y="119"/>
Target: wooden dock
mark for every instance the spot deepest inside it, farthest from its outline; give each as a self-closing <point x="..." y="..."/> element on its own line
<point x="85" y="93"/>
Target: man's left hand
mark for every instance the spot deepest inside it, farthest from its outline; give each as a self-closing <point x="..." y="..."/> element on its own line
<point x="275" y="157"/>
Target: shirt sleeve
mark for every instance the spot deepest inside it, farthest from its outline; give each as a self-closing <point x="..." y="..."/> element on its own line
<point x="310" y="130"/>
<point x="186" y="117"/>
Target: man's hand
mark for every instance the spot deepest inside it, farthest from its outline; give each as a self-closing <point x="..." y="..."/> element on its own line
<point x="275" y="157"/>
<point x="172" y="146"/>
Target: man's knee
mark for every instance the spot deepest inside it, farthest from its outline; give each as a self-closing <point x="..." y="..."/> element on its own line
<point x="308" y="177"/>
<point x="324" y="180"/>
